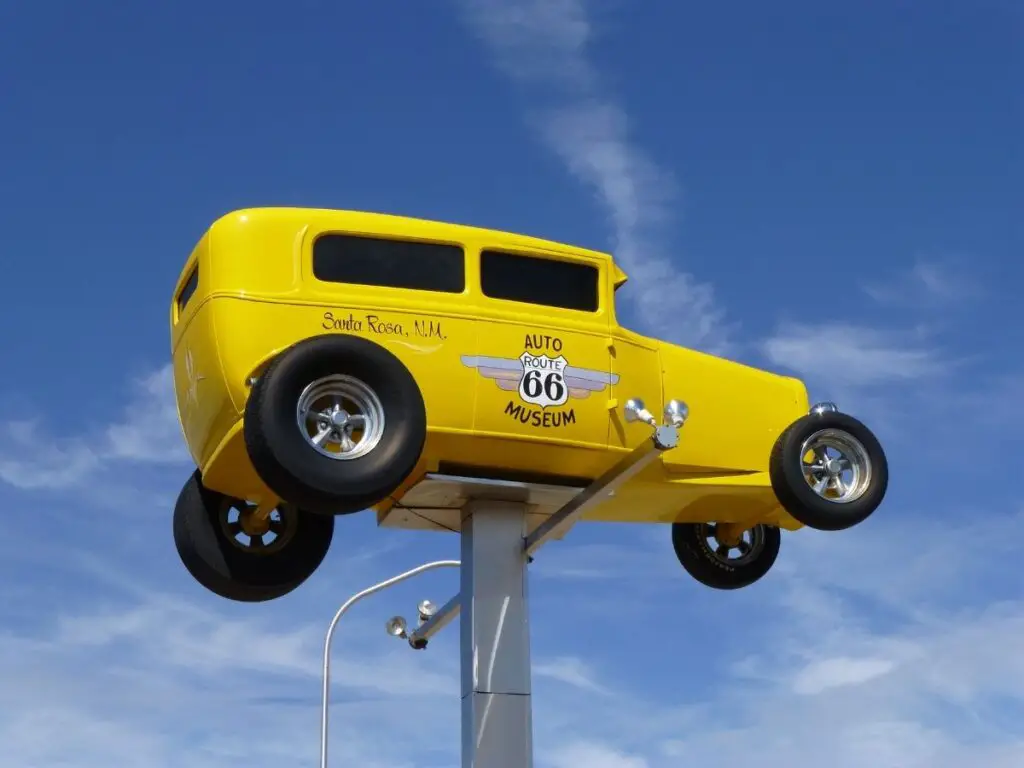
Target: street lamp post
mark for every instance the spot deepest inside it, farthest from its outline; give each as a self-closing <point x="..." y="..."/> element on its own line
<point x="396" y="628"/>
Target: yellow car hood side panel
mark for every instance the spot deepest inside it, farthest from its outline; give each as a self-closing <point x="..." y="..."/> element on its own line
<point x="736" y="412"/>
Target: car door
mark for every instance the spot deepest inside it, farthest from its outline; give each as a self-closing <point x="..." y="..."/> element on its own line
<point x="636" y="370"/>
<point x="541" y="347"/>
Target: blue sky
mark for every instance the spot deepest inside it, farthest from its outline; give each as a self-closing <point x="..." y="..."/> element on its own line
<point x="832" y="192"/>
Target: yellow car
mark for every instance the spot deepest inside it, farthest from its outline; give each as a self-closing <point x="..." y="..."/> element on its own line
<point x="326" y="362"/>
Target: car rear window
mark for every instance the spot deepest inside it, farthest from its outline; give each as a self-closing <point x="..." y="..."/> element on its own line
<point x="409" y="264"/>
<point x="539" y="280"/>
<point x="188" y="289"/>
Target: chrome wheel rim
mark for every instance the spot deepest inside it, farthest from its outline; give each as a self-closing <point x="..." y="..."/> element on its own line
<point x="836" y="465"/>
<point x="340" y="417"/>
<point x="253" y="535"/>
<point x="749" y="545"/>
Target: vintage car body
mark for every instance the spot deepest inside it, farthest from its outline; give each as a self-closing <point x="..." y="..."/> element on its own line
<point x="466" y="352"/>
<point x="248" y="292"/>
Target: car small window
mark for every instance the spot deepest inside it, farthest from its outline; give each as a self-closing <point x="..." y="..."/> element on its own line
<point x="407" y="264"/>
<point x="188" y="289"/>
<point x="539" y="280"/>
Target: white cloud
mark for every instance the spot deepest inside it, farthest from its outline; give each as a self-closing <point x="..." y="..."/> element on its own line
<point x="149" y="429"/>
<point x="890" y="645"/>
<point x="38" y="454"/>
<point x="860" y="653"/>
<point x="572" y="671"/>
<point x="833" y="673"/>
<point x="593" y="755"/>
<point x="928" y="283"/>
<point x="34" y="458"/>
<point x="196" y="640"/>
<point x="899" y="374"/>
<point x="903" y="383"/>
<point x="62" y="735"/>
<point x="165" y="682"/>
<point x="849" y="356"/>
<point x="544" y="42"/>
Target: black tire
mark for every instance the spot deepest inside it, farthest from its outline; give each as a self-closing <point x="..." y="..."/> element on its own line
<point x="716" y="569"/>
<point x="794" y="492"/>
<point x="287" y="462"/>
<point x="225" y="566"/>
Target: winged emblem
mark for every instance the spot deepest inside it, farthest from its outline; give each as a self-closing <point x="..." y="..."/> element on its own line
<point x="508" y="373"/>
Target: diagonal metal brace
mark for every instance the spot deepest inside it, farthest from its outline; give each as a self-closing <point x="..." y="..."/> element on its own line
<point x="663" y="439"/>
<point x="445" y="614"/>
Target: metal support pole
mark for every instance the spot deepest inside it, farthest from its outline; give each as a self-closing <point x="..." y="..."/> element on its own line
<point x="497" y="728"/>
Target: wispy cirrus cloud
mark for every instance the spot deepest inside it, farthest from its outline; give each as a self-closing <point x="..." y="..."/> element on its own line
<point x="140" y="675"/>
<point x="543" y="44"/>
<point x="858" y="657"/>
<point x="37" y="455"/>
<point x="846" y="355"/>
<point x="30" y="460"/>
<point x="148" y="430"/>
<point x="200" y="641"/>
<point x="593" y="755"/>
<point x="928" y="283"/>
<point x="907" y="371"/>
<point x="839" y="671"/>
<point x="855" y="357"/>
<point x="866" y="654"/>
<point x="570" y="670"/>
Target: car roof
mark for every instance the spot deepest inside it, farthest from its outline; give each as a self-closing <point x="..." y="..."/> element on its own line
<point x="353" y="219"/>
<point x="376" y="221"/>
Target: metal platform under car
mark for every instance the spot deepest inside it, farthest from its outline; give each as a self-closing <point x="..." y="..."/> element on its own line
<point x="436" y="502"/>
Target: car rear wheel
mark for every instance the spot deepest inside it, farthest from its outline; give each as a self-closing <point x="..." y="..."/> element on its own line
<point x="722" y="563"/>
<point x="828" y="471"/>
<point x="335" y="424"/>
<point x="229" y="550"/>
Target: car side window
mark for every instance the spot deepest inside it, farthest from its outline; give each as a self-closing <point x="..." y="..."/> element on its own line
<point x="408" y="264"/>
<point x="539" y="280"/>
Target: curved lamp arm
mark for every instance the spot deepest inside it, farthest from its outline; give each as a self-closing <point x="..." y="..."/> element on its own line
<point x="334" y="623"/>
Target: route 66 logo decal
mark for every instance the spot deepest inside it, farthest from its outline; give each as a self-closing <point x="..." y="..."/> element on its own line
<point x="543" y="380"/>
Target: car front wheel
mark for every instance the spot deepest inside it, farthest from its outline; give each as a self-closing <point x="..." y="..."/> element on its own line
<point x="828" y="471"/>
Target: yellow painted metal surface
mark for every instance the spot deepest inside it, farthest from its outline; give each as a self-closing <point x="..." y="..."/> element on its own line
<point x="256" y="295"/>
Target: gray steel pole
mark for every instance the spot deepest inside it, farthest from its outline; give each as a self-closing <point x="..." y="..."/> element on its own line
<point x="497" y="727"/>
